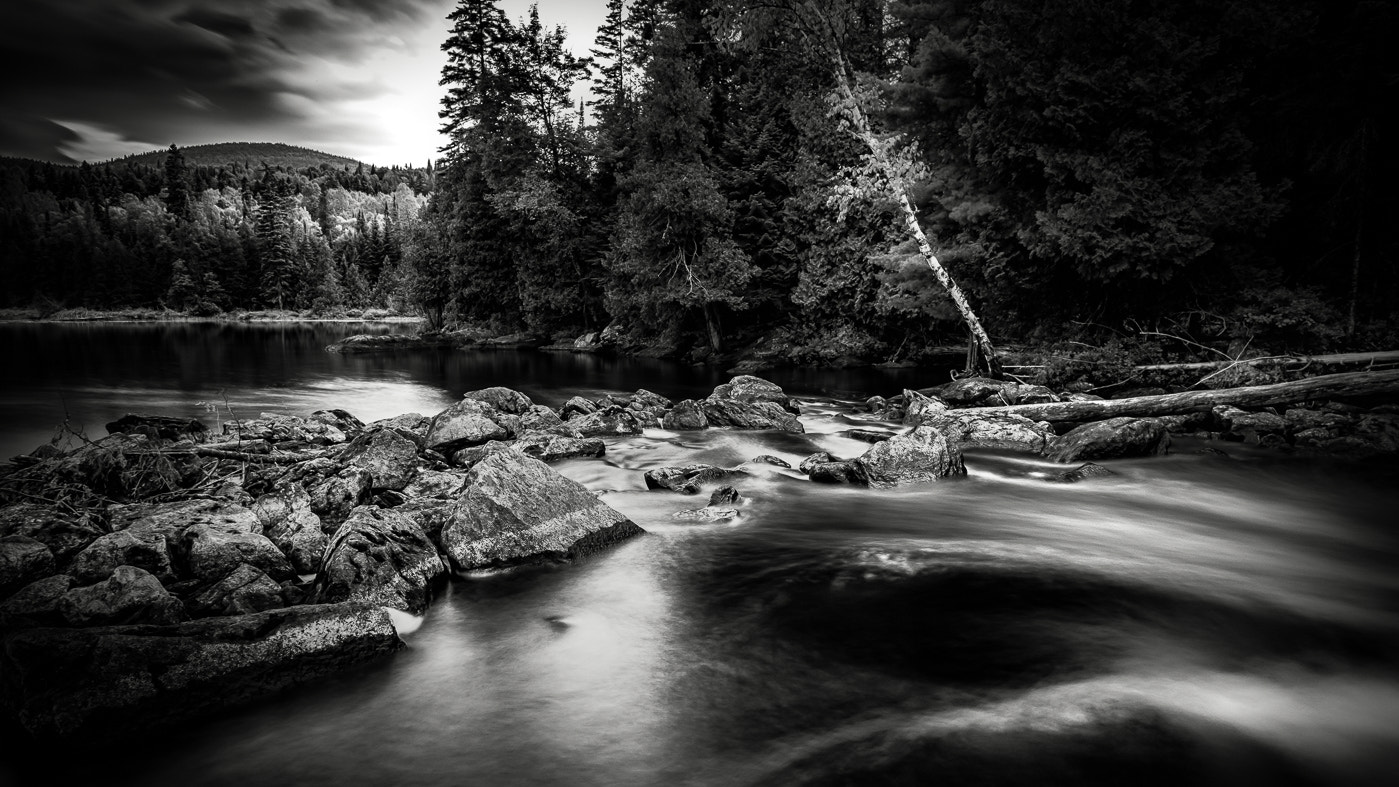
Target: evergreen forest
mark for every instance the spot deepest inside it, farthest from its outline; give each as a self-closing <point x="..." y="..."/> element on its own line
<point x="744" y="178"/>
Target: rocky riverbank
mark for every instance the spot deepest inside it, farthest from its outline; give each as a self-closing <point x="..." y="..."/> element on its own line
<point x="163" y="572"/>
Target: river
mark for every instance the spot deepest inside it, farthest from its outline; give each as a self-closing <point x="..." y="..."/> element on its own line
<point x="1197" y="619"/>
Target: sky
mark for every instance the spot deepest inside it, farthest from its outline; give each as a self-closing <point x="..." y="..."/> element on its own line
<point x="92" y="80"/>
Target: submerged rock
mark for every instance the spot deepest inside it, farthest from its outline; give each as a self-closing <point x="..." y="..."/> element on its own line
<point x="707" y="514"/>
<point x="1112" y="439"/>
<point x="686" y="479"/>
<point x="769" y="459"/>
<point x="118" y="682"/>
<point x="724" y="496"/>
<point x="382" y="557"/>
<point x="1082" y="472"/>
<point x="837" y="472"/>
<point x="516" y="509"/>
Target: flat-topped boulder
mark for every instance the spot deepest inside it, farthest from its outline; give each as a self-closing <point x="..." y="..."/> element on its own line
<point x="108" y="683"/>
<point x="970" y="429"/>
<point x="1114" y="438"/>
<point x="516" y="509"/>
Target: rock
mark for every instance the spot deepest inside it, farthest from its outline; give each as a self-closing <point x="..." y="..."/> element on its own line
<point x="918" y="406"/>
<point x="291" y="525"/>
<point x="467" y="458"/>
<point x="174" y="518"/>
<point x="749" y="389"/>
<point x="380" y="557"/>
<point x="213" y="553"/>
<point x="837" y="472"/>
<point x="686" y="415"/>
<point x="609" y="420"/>
<point x="1082" y="472"/>
<point x="429" y="514"/>
<point x="1030" y="394"/>
<point x="335" y="497"/>
<point x="868" y="435"/>
<point x="276" y="428"/>
<point x="390" y="458"/>
<point x="924" y="454"/>
<point x="575" y="407"/>
<point x="1007" y="432"/>
<point x="645" y="400"/>
<point x="243" y="592"/>
<point x="1186" y="423"/>
<point x="36" y="604"/>
<point x="707" y="514"/>
<point x="379" y="342"/>
<point x="820" y="457"/>
<point x="111" y="683"/>
<point x="64" y="534"/>
<point x="552" y="448"/>
<point x="972" y="391"/>
<point x="160" y="427"/>
<point x="1111" y="439"/>
<point x="539" y="418"/>
<point x="749" y="415"/>
<point x="1299" y="419"/>
<point x="436" y="483"/>
<point x="1380" y="430"/>
<point x="724" y="496"/>
<point x="1252" y="427"/>
<point x="129" y="595"/>
<point x="769" y="459"/>
<point x="505" y="400"/>
<point x="686" y="479"/>
<point x="340" y="419"/>
<point x="23" y="560"/>
<point x="119" y="466"/>
<point x="464" y="424"/>
<point x="517" y="510"/>
<point x="146" y="549"/>
<point x="414" y="426"/>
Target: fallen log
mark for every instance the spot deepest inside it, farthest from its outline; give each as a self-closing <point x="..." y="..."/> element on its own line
<point x="1371" y="359"/>
<point x="1349" y="384"/>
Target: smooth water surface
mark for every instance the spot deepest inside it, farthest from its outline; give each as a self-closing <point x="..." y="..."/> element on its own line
<point x="1196" y="619"/>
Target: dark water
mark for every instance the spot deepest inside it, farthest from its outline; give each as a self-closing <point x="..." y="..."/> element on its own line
<point x="1195" y="620"/>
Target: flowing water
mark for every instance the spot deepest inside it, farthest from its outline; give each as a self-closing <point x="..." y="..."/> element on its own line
<point x="1197" y="619"/>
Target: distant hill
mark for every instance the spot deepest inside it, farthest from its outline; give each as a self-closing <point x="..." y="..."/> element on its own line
<point x="275" y="154"/>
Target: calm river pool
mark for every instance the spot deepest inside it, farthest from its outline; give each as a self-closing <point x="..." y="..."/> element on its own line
<point x="1195" y="620"/>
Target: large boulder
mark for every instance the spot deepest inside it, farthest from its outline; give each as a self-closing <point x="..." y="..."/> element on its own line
<point x="846" y="471"/>
<point x="243" y="592"/>
<point x="172" y="519"/>
<point x="441" y="484"/>
<point x="818" y="458"/>
<point x="518" y="510"/>
<point x="414" y="426"/>
<point x="148" y="550"/>
<point x="505" y="400"/>
<point x="972" y="391"/>
<point x="290" y="524"/>
<point x="64" y="534"/>
<point x="750" y="389"/>
<point x="1008" y="432"/>
<point x="1111" y="439"/>
<point x="213" y="553"/>
<point x="390" y="458"/>
<point x="687" y="414"/>
<point x="466" y="423"/>
<point x="117" y="682"/>
<point x="924" y="454"/>
<point x="340" y="419"/>
<point x="22" y="560"/>
<point x="129" y="595"/>
<point x="1249" y="426"/>
<point x="540" y="418"/>
<point x="738" y="414"/>
<point x="575" y="407"/>
<point x="382" y="557"/>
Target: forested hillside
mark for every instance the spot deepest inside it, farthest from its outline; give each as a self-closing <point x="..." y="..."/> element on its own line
<point x="206" y="239"/>
<point x="249" y="154"/>
<point x="1216" y="171"/>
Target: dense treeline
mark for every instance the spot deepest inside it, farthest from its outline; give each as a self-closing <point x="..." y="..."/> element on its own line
<point x="1216" y="171"/>
<point x="1212" y="168"/>
<point x="206" y="239"/>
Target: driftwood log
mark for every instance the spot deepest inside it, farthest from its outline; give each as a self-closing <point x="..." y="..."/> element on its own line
<point x="1349" y="384"/>
<point x="1386" y="358"/>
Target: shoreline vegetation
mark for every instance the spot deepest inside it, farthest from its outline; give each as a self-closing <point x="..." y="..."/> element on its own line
<point x="139" y="314"/>
<point x="171" y="572"/>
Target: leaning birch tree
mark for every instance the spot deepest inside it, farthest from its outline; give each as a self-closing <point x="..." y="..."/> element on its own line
<point x="887" y="162"/>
